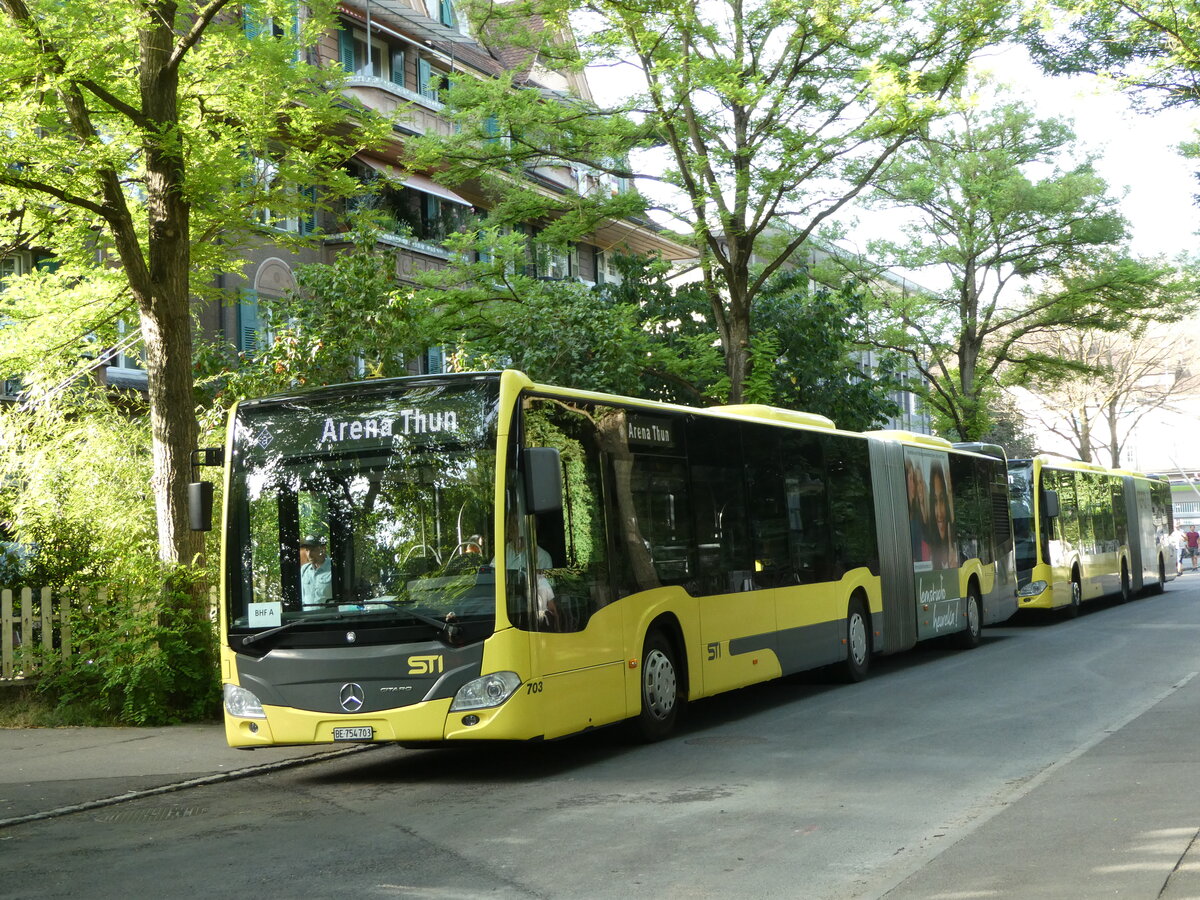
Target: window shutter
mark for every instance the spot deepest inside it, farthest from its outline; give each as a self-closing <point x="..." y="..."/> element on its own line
<point x="346" y="50"/>
<point x="398" y="67"/>
<point x="425" y="79"/>
<point x="308" y="216"/>
<point x="491" y="127"/>
<point x="248" y="323"/>
<point x="447" y="13"/>
<point x="253" y="20"/>
<point x="435" y="360"/>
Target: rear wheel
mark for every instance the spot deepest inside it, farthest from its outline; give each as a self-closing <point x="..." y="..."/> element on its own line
<point x="1162" y="576"/>
<point x="858" y="642"/>
<point x="1126" y="586"/>
<point x="661" y="696"/>
<point x="973" y="634"/>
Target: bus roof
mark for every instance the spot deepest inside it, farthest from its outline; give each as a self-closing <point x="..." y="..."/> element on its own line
<point x="911" y="437"/>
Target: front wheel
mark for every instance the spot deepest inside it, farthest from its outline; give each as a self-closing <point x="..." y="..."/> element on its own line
<point x="973" y="633"/>
<point x="661" y="695"/>
<point x="1076" y="597"/>
<point x="858" y="643"/>
<point x="1126" y="584"/>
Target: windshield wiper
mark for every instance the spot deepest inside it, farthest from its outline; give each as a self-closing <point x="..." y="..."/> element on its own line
<point x="288" y="626"/>
<point x="451" y="628"/>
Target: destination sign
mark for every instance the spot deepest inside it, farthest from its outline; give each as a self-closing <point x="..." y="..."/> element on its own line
<point x="410" y="421"/>
<point x="652" y="430"/>
<point x="428" y="417"/>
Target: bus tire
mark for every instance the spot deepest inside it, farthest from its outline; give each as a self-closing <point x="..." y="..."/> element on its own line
<point x="1161" y="584"/>
<point x="971" y="636"/>
<point x="662" y="697"/>
<point x="1074" y="607"/>
<point x="1126" y="585"/>
<point x="858" y="642"/>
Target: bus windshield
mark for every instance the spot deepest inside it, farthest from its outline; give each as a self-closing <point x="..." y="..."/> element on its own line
<point x="1020" y="490"/>
<point x="369" y="513"/>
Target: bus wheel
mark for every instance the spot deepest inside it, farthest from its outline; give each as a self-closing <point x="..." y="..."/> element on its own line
<point x="858" y="643"/>
<point x="1126" y="587"/>
<point x="973" y="633"/>
<point x="1162" y="576"/>
<point x="1076" y="596"/>
<point x="661" y="699"/>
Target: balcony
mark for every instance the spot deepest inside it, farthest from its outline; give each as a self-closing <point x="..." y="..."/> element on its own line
<point x="414" y="111"/>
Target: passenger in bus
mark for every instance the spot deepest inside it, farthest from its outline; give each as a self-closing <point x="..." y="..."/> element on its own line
<point x="316" y="574"/>
<point x="515" y="560"/>
<point x="942" y="553"/>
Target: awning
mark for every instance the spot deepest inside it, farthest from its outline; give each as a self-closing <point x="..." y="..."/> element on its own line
<point x="398" y="14"/>
<point x="421" y="183"/>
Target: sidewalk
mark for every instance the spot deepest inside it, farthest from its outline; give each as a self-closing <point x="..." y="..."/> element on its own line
<point x="1122" y="818"/>
<point x="50" y="771"/>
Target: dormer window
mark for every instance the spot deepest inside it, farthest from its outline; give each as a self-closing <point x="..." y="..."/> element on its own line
<point x="443" y="11"/>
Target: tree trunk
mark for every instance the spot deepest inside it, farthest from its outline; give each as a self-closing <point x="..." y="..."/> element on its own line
<point x="1085" y="435"/>
<point x="1114" y="442"/>
<point x="164" y="300"/>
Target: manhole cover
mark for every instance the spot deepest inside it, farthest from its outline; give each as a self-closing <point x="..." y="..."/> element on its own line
<point x="149" y="814"/>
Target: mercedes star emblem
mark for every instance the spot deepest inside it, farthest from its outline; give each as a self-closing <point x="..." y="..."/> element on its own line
<point x="352" y="696"/>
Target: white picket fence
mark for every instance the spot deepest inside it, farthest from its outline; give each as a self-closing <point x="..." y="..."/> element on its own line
<point x="34" y="623"/>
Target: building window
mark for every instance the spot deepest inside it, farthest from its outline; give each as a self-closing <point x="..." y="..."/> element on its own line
<point x="607" y="271"/>
<point x="256" y="22"/>
<point x="13" y="266"/>
<point x="266" y="174"/>
<point x="424" y="216"/>
<point x="558" y="262"/>
<point x="384" y="61"/>
<point x="130" y="352"/>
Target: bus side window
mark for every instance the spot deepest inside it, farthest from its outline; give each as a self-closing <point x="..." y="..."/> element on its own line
<point x="768" y="507"/>
<point x="718" y="488"/>
<point x="663" y="516"/>
<point x="851" y="505"/>
<point x="807" y="504"/>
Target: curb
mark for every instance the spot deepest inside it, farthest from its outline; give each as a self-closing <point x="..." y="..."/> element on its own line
<point x="200" y="781"/>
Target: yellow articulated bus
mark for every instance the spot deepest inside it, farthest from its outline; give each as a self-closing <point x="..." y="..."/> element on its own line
<point x="476" y="556"/>
<point x="1083" y="531"/>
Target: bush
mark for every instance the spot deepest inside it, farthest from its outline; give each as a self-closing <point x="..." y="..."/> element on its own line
<point x="74" y="493"/>
<point x="145" y="655"/>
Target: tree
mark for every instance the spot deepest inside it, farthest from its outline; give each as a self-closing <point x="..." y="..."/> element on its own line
<point x="818" y="366"/>
<point x="764" y="113"/>
<point x="144" y="140"/>
<point x="1027" y="240"/>
<point x="1118" y="380"/>
<point x="1151" y="47"/>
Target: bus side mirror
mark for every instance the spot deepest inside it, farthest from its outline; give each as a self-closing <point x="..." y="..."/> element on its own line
<point x="543" y="479"/>
<point x="200" y="493"/>
<point x="1051" y="505"/>
<point x="200" y="505"/>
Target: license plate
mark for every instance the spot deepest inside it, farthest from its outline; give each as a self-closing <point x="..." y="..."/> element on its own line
<point x="357" y="733"/>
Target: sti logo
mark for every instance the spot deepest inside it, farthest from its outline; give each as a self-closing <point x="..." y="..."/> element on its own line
<point x="425" y="665"/>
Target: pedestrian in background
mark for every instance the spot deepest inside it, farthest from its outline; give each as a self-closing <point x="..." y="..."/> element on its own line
<point x="1178" y="540"/>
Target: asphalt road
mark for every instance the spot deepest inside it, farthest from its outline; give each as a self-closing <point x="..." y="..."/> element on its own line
<point x="948" y="773"/>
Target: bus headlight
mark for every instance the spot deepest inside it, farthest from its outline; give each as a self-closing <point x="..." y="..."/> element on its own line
<point x="243" y="704"/>
<point x="1032" y="589"/>
<point x="488" y="691"/>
